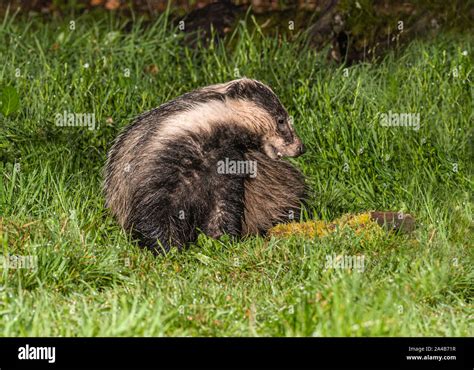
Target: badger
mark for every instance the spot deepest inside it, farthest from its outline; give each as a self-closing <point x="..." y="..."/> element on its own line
<point x="210" y="161"/>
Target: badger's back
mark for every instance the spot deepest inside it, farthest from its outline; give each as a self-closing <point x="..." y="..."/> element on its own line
<point x="129" y="159"/>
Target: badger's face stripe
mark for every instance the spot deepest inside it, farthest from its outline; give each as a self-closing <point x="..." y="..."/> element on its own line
<point x="204" y="116"/>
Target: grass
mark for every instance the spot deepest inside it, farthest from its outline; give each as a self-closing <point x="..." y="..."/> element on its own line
<point x="90" y="280"/>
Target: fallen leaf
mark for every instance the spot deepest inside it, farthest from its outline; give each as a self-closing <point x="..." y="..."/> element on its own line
<point x="152" y="69"/>
<point x="112" y="4"/>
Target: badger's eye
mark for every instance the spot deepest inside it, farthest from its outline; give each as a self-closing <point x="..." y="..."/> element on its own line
<point x="281" y="123"/>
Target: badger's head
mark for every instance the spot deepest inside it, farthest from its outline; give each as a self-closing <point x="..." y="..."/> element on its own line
<point x="262" y="111"/>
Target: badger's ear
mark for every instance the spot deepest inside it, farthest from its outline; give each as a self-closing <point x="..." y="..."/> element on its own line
<point x="241" y="89"/>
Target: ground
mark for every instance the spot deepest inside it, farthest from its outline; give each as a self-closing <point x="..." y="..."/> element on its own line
<point x="68" y="269"/>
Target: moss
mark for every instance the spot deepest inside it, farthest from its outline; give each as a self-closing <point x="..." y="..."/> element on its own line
<point x="361" y="224"/>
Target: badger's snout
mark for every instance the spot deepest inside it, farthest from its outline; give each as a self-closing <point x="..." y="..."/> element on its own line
<point x="302" y="149"/>
<point x="282" y="150"/>
<point x="295" y="149"/>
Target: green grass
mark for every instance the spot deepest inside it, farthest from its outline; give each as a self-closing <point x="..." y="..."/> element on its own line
<point x="91" y="280"/>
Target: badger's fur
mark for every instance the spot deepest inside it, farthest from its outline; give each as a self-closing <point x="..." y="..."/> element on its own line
<point x="162" y="180"/>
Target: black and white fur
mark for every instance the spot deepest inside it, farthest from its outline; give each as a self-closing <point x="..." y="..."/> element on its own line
<point x="161" y="178"/>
